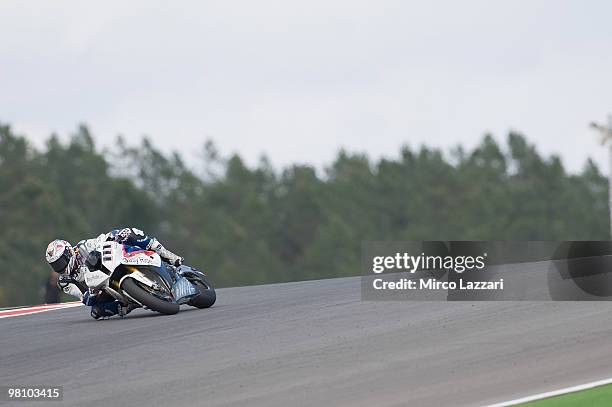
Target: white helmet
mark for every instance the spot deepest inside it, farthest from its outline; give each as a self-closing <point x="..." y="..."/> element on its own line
<point x="60" y="255"/>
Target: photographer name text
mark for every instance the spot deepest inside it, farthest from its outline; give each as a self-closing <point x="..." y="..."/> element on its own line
<point x="434" y="284"/>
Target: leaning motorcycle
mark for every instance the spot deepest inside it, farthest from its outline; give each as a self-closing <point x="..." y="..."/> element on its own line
<point x="135" y="276"/>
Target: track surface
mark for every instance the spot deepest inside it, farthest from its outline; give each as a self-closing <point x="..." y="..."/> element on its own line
<point x="310" y="343"/>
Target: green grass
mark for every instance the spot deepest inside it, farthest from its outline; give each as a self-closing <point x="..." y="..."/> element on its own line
<point x="595" y="397"/>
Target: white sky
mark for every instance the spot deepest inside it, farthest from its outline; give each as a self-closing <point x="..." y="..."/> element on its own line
<point x="299" y="79"/>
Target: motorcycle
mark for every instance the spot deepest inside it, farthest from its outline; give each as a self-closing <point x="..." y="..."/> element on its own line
<point x="135" y="276"/>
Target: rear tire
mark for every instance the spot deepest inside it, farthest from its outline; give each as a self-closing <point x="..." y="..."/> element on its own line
<point x="147" y="299"/>
<point x="207" y="296"/>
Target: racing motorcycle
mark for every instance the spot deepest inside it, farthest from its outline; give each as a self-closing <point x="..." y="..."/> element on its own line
<point x="135" y="276"/>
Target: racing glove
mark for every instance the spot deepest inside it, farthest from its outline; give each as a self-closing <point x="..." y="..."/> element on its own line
<point x="164" y="253"/>
<point x="63" y="280"/>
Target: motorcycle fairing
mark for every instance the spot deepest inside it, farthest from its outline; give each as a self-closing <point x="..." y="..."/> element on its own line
<point x="183" y="289"/>
<point x="114" y="254"/>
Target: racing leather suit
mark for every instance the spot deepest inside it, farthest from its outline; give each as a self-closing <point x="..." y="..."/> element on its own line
<point x="103" y="305"/>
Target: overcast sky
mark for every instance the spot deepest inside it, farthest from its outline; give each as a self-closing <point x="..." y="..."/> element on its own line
<point x="297" y="80"/>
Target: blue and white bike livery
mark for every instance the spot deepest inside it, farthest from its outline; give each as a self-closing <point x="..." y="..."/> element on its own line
<point x="136" y="276"/>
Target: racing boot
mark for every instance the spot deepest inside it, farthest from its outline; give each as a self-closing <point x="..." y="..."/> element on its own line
<point x="164" y="253"/>
<point x="126" y="309"/>
<point x="104" y="310"/>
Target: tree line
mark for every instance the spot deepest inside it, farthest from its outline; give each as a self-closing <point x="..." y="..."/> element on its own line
<point x="254" y="225"/>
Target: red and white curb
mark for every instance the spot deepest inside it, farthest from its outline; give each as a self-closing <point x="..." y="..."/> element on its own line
<point x="15" y="312"/>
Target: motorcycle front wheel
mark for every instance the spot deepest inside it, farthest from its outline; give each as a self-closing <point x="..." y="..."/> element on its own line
<point x="147" y="299"/>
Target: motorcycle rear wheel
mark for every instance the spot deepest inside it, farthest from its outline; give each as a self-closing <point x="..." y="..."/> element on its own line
<point x="207" y="296"/>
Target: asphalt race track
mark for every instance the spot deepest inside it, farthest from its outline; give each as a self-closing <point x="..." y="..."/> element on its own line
<point x="310" y="343"/>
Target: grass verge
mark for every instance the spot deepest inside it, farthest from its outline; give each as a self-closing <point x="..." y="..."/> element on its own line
<point x="595" y="397"/>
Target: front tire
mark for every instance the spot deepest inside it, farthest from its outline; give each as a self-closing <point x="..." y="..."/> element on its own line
<point x="147" y="299"/>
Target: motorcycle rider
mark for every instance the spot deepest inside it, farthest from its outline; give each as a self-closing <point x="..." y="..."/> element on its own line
<point x="71" y="263"/>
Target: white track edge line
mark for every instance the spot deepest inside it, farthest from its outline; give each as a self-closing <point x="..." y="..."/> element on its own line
<point x="39" y="306"/>
<point x="553" y="393"/>
<point x="37" y="311"/>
